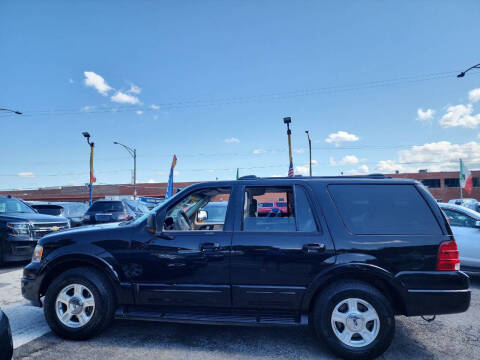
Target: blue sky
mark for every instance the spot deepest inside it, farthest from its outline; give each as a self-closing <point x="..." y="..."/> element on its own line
<point x="199" y="78"/>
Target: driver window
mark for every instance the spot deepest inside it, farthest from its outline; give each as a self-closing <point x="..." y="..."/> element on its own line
<point x="205" y="209"/>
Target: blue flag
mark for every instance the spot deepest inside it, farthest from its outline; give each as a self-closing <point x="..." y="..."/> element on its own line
<point x="169" y="192"/>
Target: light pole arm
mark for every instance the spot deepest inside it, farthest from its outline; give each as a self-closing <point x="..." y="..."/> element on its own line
<point x="13" y="111"/>
<point x="129" y="149"/>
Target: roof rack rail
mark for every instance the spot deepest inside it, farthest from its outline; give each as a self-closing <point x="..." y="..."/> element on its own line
<point x="248" y="177"/>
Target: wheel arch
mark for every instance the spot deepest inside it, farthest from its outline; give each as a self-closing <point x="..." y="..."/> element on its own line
<point x="71" y="261"/>
<point x="373" y="275"/>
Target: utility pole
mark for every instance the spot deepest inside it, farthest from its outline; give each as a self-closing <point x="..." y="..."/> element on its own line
<point x="92" y="178"/>
<point x="288" y="120"/>
<point x="133" y="153"/>
<point x="309" y="150"/>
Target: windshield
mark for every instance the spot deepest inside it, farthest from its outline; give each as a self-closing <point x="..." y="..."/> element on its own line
<point x="107" y="206"/>
<point x="10" y="205"/>
<point x="48" y="209"/>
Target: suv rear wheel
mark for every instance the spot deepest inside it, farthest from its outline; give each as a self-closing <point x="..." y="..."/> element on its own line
<point x="354" y="319"/>
<point x="79" y="304"/>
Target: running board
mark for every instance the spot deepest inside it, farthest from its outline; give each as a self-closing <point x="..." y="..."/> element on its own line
<point x="212" y="317"/>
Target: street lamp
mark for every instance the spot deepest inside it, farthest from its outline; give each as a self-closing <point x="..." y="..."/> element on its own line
<point x="288" y="121"/>
<point x="462" y="74"/>
<point x="92" y="178"/>
<point x="309" y="150"/>
<point x="13" y="111"/>
<point x="133" y="153"/>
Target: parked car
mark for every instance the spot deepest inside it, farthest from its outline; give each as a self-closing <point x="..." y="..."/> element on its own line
<point x="465" y="224"/>
<point x="466" y="202"/>
<point x="6" y="342"/>
<point x="353" y="253"/>
<point x="21" y="227"/>
<point x="265" y="208"/>
<point x="212" y="215"/>
<point x="282" y="205"/>
<point x="73" y="211"/>
<point x="107" y="211"/>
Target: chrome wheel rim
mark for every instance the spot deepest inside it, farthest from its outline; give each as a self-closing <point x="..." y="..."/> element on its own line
<point x="75" y="305"/>
<point x="355" y="322"/>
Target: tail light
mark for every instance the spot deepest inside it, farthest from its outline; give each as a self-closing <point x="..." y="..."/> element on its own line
<point x="124" y="216"/>
<point x="448" y="258"/>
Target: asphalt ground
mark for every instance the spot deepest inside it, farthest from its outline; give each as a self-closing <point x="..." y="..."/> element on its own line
<point x="448" y="337"/>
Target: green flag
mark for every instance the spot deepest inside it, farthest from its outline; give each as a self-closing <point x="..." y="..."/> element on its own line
<point x="238" y="174"/>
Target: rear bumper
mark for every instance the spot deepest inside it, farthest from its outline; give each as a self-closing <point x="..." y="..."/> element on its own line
<point x="435" y="292"/>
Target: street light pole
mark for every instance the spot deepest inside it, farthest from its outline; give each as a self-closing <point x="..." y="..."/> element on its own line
<point x="462" y="74"/>
<point x="309" y="150"/>
<point x="287" y="121"/>
<point x="13" y="111"/>
<point x="133" y="153"/>
<point x="92" y="178"/>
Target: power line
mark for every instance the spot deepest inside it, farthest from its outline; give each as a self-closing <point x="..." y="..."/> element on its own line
<point x="243" y="99"/>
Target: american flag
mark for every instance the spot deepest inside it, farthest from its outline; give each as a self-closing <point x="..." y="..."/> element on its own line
<point x="290" y="170"/>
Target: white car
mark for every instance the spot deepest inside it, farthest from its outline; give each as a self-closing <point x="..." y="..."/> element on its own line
<point x="465" y="224"/>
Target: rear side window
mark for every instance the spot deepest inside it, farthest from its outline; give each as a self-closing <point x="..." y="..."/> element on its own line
<point x="384" y="210"/>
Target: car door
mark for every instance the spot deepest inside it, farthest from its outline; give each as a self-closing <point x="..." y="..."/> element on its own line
<point x="184" y="267"/>
<point x="276" y="256"/>
<point x="467" y="235"/>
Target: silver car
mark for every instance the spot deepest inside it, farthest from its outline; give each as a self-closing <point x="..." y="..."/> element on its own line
<point x="465" y="224"/>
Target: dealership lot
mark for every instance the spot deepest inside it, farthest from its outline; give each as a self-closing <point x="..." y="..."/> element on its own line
<point x="450" y="336"/>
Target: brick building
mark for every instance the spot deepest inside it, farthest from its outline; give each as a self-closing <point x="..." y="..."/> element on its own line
<point x="80" y="193"/>
<point x="444" y="185"/>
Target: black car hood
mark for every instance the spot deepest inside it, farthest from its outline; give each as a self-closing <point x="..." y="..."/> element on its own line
<point x="32" y="217"/>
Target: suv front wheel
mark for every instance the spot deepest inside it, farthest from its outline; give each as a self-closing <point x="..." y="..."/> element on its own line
<point x="354" y="319"/>
<point x="79" y="304"/>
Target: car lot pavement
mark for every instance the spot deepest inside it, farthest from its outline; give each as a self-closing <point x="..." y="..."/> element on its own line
<point x="448" y="337"/>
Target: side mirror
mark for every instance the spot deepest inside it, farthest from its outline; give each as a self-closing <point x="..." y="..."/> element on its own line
<point x="202" y="215"/>
<point x="155" y="225"/>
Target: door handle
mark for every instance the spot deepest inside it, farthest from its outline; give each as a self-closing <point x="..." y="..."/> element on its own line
<point x="209" y="246"/>
<point x="312" y="248"/>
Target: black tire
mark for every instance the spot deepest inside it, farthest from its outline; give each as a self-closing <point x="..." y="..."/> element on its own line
<point x="102" y="293"/>
<point x="342" y="290"/>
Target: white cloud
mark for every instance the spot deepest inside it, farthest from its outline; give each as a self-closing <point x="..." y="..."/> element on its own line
<point x="474" y="95"/>
<point x="87" y="108"/>
<point x="123" y="98"/>
<point x="259" y="151"/>
<point x="340" y="137"/>
<point x="277" y="175"/>
<point x="96" y="81"/>
<point x="346" y="160"/>
<point x="425" y="115"/>
<point x="154" y="107"/>
<point x="314" y="163"/>
<point x="151" y="181"/>
<point x="134" y="89"/>
<point x="438" y="156"/>
<point x="72" y="183"/>
<point x="232" y="140"/>
<point x="302" y="170"/>
<point x="26" y="174"/>
<point x="299" y="150"/>
<point x="71" y="81"/>
<point x="361" y="170"/>
<point x="460" y="115"/>
<point x="139" y="112"/>
<point x="155" y="117"/>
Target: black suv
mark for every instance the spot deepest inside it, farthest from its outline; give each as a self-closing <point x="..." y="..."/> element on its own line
<point x="21" y="227"/>
<point x="346" y="256"/>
